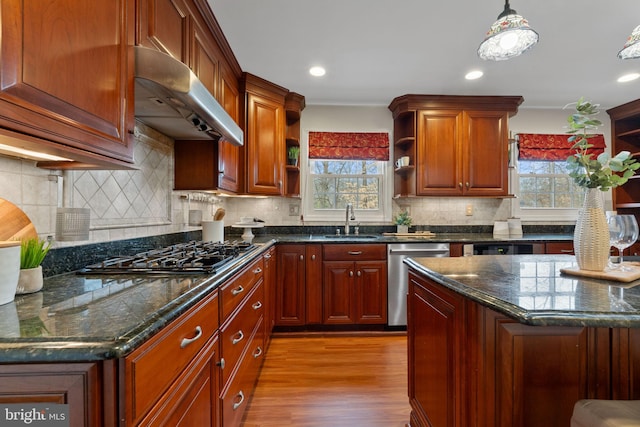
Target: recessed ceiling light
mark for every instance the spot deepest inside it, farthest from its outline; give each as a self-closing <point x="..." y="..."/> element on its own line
<point x="472" y="75"/>
<point x="628" y="77"/>
<point x="317" y="71"/>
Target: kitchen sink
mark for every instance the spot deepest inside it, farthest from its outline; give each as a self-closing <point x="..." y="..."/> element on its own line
<point x="351" y="236"/>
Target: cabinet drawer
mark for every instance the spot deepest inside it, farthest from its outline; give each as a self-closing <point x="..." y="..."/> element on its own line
<point x="559" y="248"/>
<point x="232" y="293"/>
<point x="235" y="397"/>
<point x="151" y="369"/>
<point x="355" y="252"/>
<point x="236" y="335"/>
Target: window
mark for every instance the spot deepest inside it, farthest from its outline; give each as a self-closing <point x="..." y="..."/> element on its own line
<point x="346" y="167"/>
<point x="338" y="182"/>
<point x="544" y="188"/>
<point x="546" y="184"/>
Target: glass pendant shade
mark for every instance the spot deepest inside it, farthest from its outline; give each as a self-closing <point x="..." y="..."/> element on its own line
<point x="509" y="36"/>
<point x="631" y="48"/>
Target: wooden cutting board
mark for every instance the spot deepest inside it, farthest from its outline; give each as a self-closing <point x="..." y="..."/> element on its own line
<point x="14" y="224"/>
<point x="626" y="276"/>
<point x="416" y="234"/>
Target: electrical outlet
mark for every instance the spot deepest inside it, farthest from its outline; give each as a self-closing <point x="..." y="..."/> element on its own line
<point x="469" y="210"/>
<point x="294" y="210"/>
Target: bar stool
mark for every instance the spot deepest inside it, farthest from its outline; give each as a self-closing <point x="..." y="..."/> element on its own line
<point x="606" y="413"/>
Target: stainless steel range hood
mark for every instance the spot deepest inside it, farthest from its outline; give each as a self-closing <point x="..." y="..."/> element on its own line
<point x="172" y="100"/>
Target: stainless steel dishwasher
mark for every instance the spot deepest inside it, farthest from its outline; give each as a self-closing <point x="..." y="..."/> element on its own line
<point x="397" y="283"/>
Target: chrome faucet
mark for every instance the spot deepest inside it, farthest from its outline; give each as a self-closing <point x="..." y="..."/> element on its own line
<point x="347" y="217"/>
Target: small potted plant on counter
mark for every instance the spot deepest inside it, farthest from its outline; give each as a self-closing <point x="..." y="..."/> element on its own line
<point x="294" y="152"/>
<point x="402" y="221"/>
<point x="32" y="253"/>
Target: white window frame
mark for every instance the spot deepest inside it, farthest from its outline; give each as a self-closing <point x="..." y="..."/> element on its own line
<point x="381" y="215"/>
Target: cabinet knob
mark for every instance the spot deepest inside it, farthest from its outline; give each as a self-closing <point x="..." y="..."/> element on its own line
<point x="350" y="273"/>
<point x="301" y="257"/>
<point x="313" y="257"/>
<point x="460" y="185"/>
<point x="359" y="273"/>
<point x="221" y="363"/>
<point x="467" y="184"/>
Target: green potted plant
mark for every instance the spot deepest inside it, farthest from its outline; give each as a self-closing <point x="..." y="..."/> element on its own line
<point x="402" y="220"/>
<point x="596" y="174"/>
<point x="32" y="253"/>
<point x="293" y="155"/>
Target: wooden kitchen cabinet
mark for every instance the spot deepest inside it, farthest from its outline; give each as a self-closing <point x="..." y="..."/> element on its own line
<point x="472" y="366"/>
<point x="625" y="136"/>
<point x="157" y="389"/>
<point x="290" y="285"/>
<point x="67" y="75"/>
<point x="230" y="160"/>
<point x="264" y="147"/>
<point x="459" y="146"/>
<point x="565" y="247"/>
<point x="313" y="284"/>
<point x="77" y="385"/>
<point x="355" y="284"/>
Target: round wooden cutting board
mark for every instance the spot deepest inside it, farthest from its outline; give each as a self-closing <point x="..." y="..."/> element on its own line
<point x="14" y="224"/>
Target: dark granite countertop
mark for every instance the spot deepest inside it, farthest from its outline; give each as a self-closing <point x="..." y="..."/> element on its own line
<point x="95" y="317"/>
<point x="437" y="238"/>
<point x="531" y="289"/>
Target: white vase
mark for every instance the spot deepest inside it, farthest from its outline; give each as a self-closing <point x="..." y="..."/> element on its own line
<point x="402" y="229"/>
<point x="591" y="235"/>
<point x="30" y="280"/>
<point x="9" y="270"/>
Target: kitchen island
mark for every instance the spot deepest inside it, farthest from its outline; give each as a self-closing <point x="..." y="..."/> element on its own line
<point x="510" y="341"/>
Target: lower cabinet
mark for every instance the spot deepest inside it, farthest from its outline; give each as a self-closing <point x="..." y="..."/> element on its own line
<point x="290" y="285"/>
<point x="77" y="385"/>
<point x="471" y="366"/>
<point x="355" y="284"/>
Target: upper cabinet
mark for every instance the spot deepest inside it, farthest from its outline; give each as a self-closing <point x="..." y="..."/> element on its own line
<point x="67" y="80"/>
<point x="264" y="135"/>
<point x="625" y="136"/>
<point x="457" y="145"/>
<point x="294" y="104"/>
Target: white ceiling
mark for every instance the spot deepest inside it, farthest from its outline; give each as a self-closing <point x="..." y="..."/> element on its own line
<point x="375" y="50"/>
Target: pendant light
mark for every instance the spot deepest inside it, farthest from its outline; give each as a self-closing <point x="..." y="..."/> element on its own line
<point x="509" y="36"/>
<point x="631" y="48"/>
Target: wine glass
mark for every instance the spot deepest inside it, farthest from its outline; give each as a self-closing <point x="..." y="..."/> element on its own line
<point x="623" y="232"/>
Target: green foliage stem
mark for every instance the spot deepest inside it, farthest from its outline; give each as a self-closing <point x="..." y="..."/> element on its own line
<point x="32" y="252"/>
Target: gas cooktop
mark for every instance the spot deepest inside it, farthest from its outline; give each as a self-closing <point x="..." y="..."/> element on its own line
<point x="190" y="257"/>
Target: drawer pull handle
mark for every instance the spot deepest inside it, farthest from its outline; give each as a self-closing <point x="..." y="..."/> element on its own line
<point x="237" y="290"/>
<point x="267" y="256"/>
<point x="186" y="341"/>
<point x="355" y="252"/>
<point x="257" y="305"/>
<point x="257" y="270"/>
<point x="257" y="353"/>
<point x="237" y="404"/>
<point x="566" y="251"/>
<point x="240" y="337"/>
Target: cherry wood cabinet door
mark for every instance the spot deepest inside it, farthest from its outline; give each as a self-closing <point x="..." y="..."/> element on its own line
<point x="485" y="154"/>
<point x="439" y="152"/>
<point x="66" y="74"/>
<point x="230" y="158"/>
<point x="371" y="292"/>
<point x="164" y="25"/>
<point x="339" y="293"/>
<point x="435" y="332"/>
<point x="264" y="145"/>
<point x="290" y="290"/>
<point x="313" y="283"/>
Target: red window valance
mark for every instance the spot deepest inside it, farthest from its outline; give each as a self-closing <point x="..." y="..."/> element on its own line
<point x="349" y="145"/>
<point x="539" y="146"/>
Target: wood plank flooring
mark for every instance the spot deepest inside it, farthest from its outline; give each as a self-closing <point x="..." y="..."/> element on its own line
<point x="332" y="381"/>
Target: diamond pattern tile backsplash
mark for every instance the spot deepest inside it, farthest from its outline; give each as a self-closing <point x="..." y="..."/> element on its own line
<point x="129" y="197"/>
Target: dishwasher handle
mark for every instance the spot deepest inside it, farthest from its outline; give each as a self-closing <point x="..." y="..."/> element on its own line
<point x="417" y="251"/>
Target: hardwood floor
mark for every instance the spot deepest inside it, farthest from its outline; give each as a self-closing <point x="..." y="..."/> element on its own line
<point x="332" y="381"/>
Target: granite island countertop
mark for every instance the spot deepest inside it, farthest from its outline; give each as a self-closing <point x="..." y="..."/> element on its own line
<point x="531" y="289"/>
<point x="87" y="317"/>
